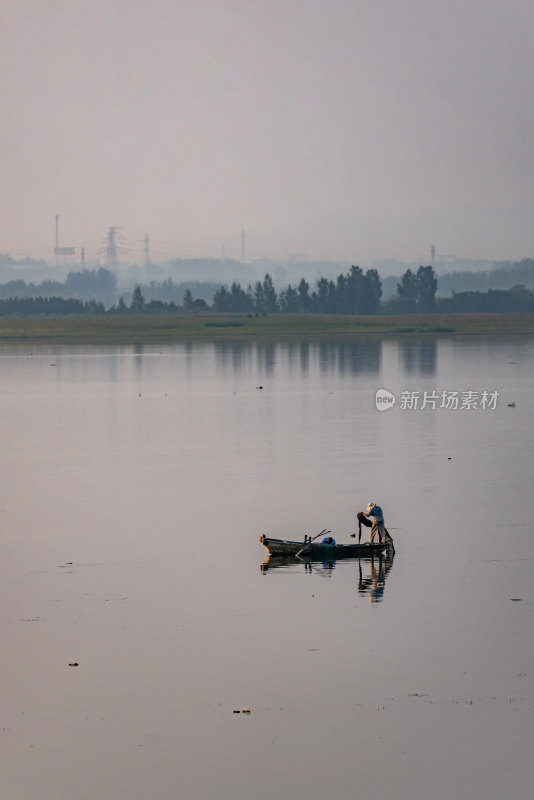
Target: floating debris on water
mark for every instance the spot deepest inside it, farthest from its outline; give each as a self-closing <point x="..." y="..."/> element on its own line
<point x="245" y="710"/>
<point x="73" y="663"/>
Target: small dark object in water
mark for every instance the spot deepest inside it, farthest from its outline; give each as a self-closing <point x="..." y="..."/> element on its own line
<point x="73" y="664"/>
<point x="516" y="599"/>
<point x="237" y="711"/>
<point x="511" y="405"/>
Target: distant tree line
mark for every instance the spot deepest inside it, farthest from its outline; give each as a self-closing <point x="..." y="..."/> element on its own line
<point x="98" y="284"/>
<point x="352" y="293"/>
<point x="168" y="290"/>
<point x="416" y="293"/>
<point x="7" y="263"/>
<point x="518" y="298"/>
<point x="503" y="275"/>
<point x="48" y="305"/>
<point x="101" y="285"/>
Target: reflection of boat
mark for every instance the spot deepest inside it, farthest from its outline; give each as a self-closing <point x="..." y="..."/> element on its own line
<point x="372" y="570"/>
<point x="283" y="562"/>
<point x="318" y="551"/>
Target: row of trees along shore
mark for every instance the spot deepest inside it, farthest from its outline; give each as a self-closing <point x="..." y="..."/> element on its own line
<point x="352" y="293"/>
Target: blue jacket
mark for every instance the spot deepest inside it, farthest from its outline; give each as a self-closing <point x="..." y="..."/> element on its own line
<point x="377" y="513"/>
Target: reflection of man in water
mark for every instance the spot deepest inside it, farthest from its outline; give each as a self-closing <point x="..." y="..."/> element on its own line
<point x="373" y="585"/>
<point x="379" y="581"/>
<point x="377" y="514"/>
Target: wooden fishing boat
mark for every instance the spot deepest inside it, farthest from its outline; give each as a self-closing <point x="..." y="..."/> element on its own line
<point x="318" y="551"/>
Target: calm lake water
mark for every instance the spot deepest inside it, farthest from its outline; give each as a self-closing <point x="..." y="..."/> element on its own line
<point x="136" y="482"/>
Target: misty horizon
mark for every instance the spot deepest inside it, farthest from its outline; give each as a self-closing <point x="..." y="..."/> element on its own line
<point x="355" y="132"/>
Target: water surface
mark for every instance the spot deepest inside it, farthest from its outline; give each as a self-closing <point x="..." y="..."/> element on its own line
<point x="136" y="482"/>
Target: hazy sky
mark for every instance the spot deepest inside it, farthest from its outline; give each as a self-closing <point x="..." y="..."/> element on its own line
<point x="305" y="122"/>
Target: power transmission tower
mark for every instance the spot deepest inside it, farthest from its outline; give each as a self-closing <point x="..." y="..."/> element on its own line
<point x="112" y="255"/>
<point x="146" y="251"/>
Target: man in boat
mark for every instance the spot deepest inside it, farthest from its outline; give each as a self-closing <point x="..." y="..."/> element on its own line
<point x="329" y="540"/>
<point x="377" y="525"/>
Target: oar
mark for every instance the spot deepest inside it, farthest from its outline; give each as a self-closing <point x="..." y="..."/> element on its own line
<point x="359" y="530"/>
<point x="322" y="533"/>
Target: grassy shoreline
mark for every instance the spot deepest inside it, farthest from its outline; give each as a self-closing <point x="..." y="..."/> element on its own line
<point x="157" y="328"/>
